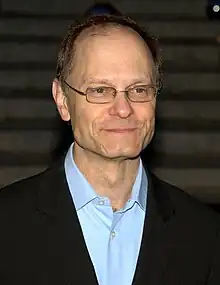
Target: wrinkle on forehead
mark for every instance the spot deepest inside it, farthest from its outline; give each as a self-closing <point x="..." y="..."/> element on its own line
<point x="147" y="79"/>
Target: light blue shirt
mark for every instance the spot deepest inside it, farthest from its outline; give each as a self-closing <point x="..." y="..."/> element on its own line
<point x="113" y="239"/>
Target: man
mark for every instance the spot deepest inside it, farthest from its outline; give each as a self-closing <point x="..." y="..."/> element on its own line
<point x="98" y="216"/>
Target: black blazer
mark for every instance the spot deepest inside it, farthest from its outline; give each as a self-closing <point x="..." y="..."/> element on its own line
<point x="41" y="241"/>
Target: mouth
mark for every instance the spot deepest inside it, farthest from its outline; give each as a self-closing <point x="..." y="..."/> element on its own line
<point x="120" y="130"/>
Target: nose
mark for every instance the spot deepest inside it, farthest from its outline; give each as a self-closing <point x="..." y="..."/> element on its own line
<point x="121" y="106"/>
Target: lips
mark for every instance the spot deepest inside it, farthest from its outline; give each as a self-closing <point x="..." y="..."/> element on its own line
<point x="120" y="130"/>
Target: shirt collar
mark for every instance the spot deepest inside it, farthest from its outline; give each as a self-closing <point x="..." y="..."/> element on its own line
<point x="83" y="193"/>
<point x="139" y="189"/>
<point x="80" y="189"/>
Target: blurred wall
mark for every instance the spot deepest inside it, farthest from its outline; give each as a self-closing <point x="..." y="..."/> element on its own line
<point x="186" y="146"/>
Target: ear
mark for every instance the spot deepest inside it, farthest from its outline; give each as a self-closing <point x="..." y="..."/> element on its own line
<point x="60" y="100"/>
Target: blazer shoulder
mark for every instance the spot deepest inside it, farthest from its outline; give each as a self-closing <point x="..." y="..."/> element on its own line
<point x="21" y="192"/>
<point x="185" y="204"/>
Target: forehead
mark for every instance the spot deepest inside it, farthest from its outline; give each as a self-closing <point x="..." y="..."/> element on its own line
<point x="112" y="51"/>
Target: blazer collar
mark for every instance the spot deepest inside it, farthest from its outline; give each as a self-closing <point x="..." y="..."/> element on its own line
<point x="55" y="203"/>
<point x="154" y="253"/>
<point x="54" y="200"/>
<point x="53" y="193"/>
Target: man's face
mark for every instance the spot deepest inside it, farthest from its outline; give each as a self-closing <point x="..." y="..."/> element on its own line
<point x="121" y="128"/>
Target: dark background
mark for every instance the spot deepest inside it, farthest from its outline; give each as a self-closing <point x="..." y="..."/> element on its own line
<point x="186" y="147"/>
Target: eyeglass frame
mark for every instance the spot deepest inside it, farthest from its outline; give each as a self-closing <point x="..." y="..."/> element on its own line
<point x="116" y="91"/>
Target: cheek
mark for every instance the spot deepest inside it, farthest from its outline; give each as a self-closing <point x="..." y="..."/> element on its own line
<point x="83" y="120"/>
<point x="148" y="120"/>
<point x="77" y="116"/>
<point x="146" y="114"/>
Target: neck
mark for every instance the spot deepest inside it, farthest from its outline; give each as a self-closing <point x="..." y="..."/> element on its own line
<point x="112" y="178"/>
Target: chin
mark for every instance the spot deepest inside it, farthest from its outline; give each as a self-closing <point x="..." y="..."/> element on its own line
<point x="123" y="154"/>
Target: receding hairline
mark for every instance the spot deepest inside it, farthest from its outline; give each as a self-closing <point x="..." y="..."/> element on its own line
<point x="104" y="29"/>
<point x="100" y="25"/>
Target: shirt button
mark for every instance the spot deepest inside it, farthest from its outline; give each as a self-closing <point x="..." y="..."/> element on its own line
<point x="113" y="234"/>
<point x="101" y="202"/>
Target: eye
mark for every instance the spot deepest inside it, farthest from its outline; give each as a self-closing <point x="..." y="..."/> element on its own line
<point x="140" y="89"/>
<point x="100" y="90"/>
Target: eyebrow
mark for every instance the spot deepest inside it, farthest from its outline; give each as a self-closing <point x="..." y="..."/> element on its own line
<point x="98" y="81"/>
<point x="109" y="82"/>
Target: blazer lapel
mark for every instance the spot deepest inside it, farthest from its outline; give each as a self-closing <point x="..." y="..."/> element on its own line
<point x="66" y="237"/>
<point x="154" y="251"/>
